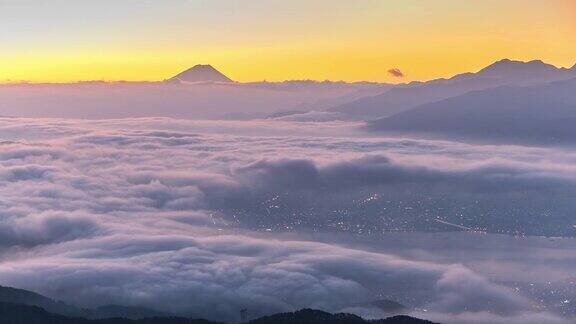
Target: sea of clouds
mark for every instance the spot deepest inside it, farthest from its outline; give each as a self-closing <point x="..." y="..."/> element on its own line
<point x="203" y="218"/>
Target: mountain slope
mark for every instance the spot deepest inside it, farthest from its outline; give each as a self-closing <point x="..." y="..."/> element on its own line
<point x="504" y="72"/>
<point x="544" y="114"/>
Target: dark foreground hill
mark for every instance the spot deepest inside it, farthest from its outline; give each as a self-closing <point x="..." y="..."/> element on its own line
<point x="19" y="306"/>
<point x="25" y="297"/>
<point x="25" y="314"/>
<point x="310" y="316"/>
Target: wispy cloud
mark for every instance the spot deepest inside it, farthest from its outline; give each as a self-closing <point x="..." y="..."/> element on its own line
<point x="395" y="72"/>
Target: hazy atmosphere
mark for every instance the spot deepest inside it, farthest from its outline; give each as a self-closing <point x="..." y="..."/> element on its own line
<point x="229" y="160"/>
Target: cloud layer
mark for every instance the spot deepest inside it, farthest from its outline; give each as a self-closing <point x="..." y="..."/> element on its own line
<point x="176" y="214"/>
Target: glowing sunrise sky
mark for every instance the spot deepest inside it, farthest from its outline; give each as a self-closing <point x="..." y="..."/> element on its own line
<point x="70" y="40"/>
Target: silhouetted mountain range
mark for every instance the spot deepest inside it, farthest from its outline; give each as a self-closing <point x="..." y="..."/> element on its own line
<point x="25" y="314"/>
<point x="18" y="306"/>
<point x="502" y="73"/>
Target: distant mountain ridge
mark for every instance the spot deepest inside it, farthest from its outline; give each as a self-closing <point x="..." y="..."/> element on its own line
<point x="500" y="73"/>
<point x="509" y="67"/>
<point x="540" y="114"/>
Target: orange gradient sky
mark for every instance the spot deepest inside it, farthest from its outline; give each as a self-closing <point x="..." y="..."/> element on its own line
<point x="69" y="40"/>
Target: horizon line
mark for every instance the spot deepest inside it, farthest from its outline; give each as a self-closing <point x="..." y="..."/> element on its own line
<point x="88" y="81"/>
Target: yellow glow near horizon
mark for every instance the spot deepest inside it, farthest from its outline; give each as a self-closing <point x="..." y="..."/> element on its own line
<point x="278" y="39"/>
